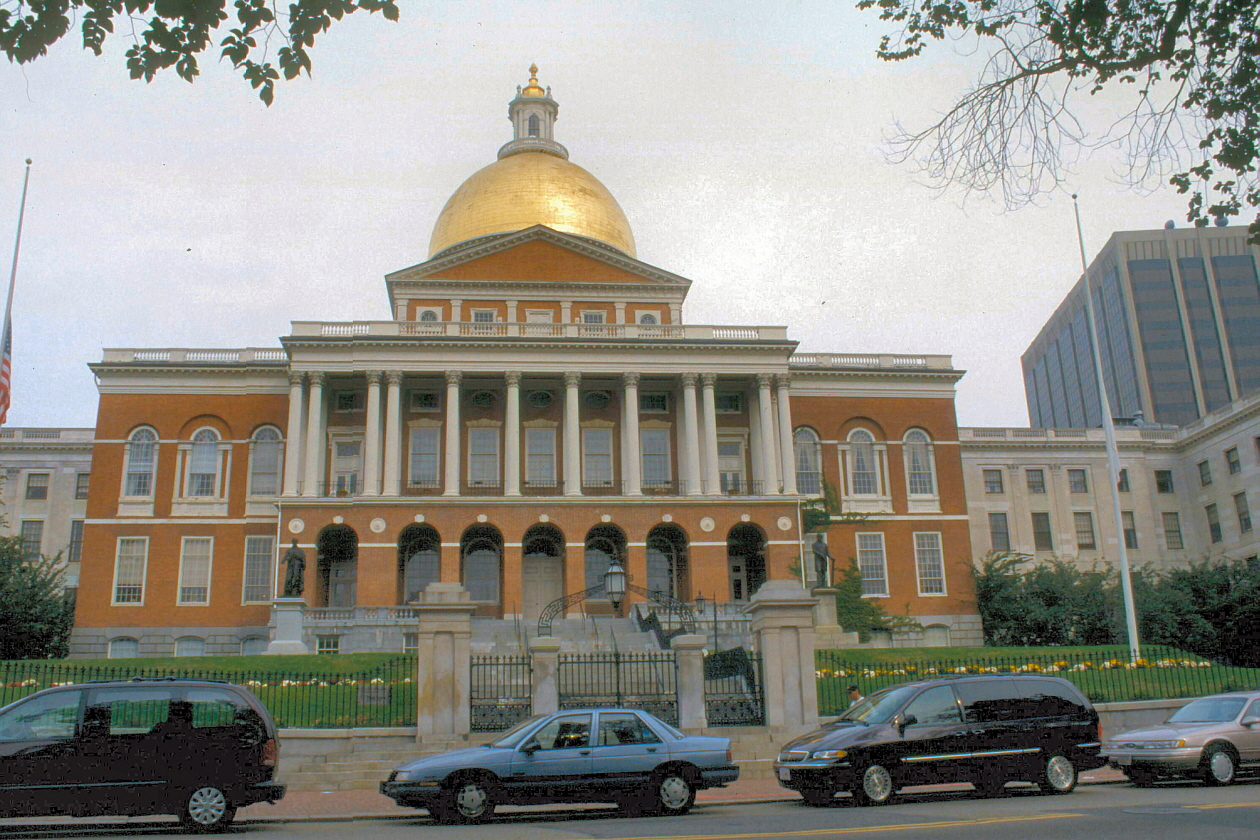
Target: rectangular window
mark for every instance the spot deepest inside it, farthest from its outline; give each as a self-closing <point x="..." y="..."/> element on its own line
<point x="1244" y="512"/>
<point x="1163" y="481"/>
<point x="422" y="469"/>
<point x="483" y="316"/>
<point x="348" y="401"/>
<point x="258" y="554"/>
<point x="1130" y="529"/>
<point x="203" y="468"/>
<point x="1123" y="483"/>
<point x="929" y="562"/>
<point x="140" y="457"/>
<point x="540" y="457"/>
<point x="1078" y="482"/>
<point x="993" y="481"/>
<point x="872" y="564"/>
<point x="597" y="457"/>
<point x="1043" y="538"/>
<point x="999" y="532"/>
<point x="1205" y="473"/>
<point x="129" y="568"/>
<point x="1214" y="523"/>
<point x="37" y="486"/>
<point x="593" y="317"/>
<point x="1172" y="530"/>
<point x="1084" y="523"/>
<point x="411" y="643"/>
<point x="654" y="402"/>
<point x="1232" y="461"/>
<point x="425" y="401"/>
<point x="483" y="457"/>
<point x="32" y="534"/>
<point x="654" y="444"/>
<point x="194" y="570"/>
<point x="81" y="485"/>
<point x="731" y="469"/>
<point x="75" y="551"/>
<point x="328" y="644"/>
<point x="728" y="402"/>
<point x="1036" y="480"/>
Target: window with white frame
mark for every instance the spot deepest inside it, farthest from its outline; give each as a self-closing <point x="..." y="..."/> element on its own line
<point x="37" y="486"/>
<point x="129" y="570"/>
<point x="259" y="551"/>
<point x="731" y="464"/>
<point x="141" y="463"/>
<point x="32" y="534"/>
<point x="194" y="571"/>
<point x="1083" y="521"/>
<point x="266" y="453"/>
<point x="590" y="316"/>
<point x="328" y="644"/>
<point x="929" y="562"/>
<point x="483" y="456"/>
<point x="999" y="532"/>
<point x="1172" y="530"/>
<point x="81" y="483"/>
<point x="540" y="457"/>
<point x="654" y="446"/>
<point x="808" y="452"/>
<point x="863" y="464"/>
<point x="649" y="319"/>
<point x="653" y="402"/>
<point x="873" y="564"/>
<point x="428" y="315"/>
<point x="539" y="316"/>
<point x="190" y="646"/>
<point x="347" y="462"/>
<point x="1078" y="481"/>
<point x="597" y="457"/>
<point x="123" y="647"/>
<point x="920" y="466"/>
<point x="992" y="481"/>
<point x="1036" y="479"/>
<point x="728" y="402"/>
<point x="203" y="465"/>
<point x="483" y="316"/>
<point x="422" y="467"/>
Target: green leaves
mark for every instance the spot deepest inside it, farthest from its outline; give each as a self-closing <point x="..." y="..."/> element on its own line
<point x="35" y="615"/>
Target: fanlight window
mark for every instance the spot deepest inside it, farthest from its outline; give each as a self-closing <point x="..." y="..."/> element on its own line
<point x="203" y="464"/>
<point x="141" y="461"/>
<point x="863" y="470"/>
<point x="808" y="462"/>
<point x="920" y="474"/>
<point x="266" y="453"/>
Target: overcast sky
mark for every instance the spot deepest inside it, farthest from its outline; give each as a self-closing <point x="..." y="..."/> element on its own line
<point x="742" y="139"/>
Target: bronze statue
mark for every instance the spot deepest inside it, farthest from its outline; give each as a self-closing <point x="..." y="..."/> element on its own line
<point x="822" y="561"/>
<point x="295" y="561"/>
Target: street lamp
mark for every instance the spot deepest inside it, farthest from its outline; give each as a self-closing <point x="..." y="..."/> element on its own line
<point x="615" y="584"/>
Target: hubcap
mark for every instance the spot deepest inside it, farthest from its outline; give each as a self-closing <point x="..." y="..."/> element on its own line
<point x="471" y="800"/>
<point x="1059" y="772"/>
<point x="674" y="792"/>
<point x="1222" y="767"/>
<point x="207" y="806"/>
<point x="876" y="783"/>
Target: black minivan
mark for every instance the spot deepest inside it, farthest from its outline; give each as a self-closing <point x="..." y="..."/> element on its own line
<point x="198" y="749"/>
<point x="987" y="730"/>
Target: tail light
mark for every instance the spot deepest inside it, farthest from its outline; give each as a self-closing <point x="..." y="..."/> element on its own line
<point x="730" y="758"/>
<point x="271" y="752"/>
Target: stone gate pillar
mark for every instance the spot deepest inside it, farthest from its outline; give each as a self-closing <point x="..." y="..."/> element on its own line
<point x="783" y="632"/>
<point x="689" y="653"/>
<point x="444" y="634"/>
<point x="544" y="653"/>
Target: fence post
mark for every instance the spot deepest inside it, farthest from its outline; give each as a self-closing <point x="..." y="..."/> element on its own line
<point x="544" y="653"/>
<point x="689" y="654"/>
<point x="783" y="632"/>
<point x="444" y="660"/>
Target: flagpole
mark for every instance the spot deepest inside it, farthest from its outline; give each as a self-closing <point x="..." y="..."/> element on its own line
<point x="8" y="306"/>
<point x="1113" y="451"/>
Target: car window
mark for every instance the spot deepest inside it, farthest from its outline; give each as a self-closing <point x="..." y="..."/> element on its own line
<point x="1049" y="698"/>
<point x="213" y="708"/>
<point x="1208" y="710"/>
<point x="624" y="728"/>
<point x="50" y="716"/>
<point x="517" y="733"/>
<point x="565" y="732"/>
<point x="880" y="707"/>
<point x="986" y="700"/>
<point x="936" y="705"/>
<point x="1254" y="710"/>
<point x="130" y="711"/>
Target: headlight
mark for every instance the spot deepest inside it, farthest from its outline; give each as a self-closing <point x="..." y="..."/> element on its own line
<point x="402" y="775"/>
<point x="828" y="754"/>
<point x="1165" y="745"/>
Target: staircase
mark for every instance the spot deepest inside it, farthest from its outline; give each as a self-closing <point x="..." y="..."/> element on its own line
<point x="502" y="637"/>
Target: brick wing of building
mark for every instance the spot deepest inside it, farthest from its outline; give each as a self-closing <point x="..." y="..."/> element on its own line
<point x="535" y="408"/>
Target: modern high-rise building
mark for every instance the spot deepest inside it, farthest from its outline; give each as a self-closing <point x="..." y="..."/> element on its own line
<point x="1178" y="314"/>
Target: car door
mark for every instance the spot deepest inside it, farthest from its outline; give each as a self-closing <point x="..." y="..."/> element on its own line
<point x="123" y="744"/>
<point x="555" y="762"/>
<point x="997" y="725"/>
<point x="40" y="765"/>
<point x="626" y="751"/>
<point x="931" y="746"/>
<point x="1248" y="738"/>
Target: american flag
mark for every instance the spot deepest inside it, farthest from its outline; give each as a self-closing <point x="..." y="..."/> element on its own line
<point x="6" y="370"/>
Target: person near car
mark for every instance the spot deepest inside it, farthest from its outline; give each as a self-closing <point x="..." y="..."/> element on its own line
<point x="855" y="695"/>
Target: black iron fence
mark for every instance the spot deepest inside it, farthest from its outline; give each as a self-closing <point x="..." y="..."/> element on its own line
<point x="645" y="681"/>
<point x="734" y="690"/>
<point x="383" y="695"/>
<point x="1104" y="674"/>
<point x="501" y="692"/>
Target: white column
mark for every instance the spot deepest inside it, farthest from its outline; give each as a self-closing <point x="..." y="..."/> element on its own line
<point x="393" y="431"/>
<point x="294" y="438"/>
<point x="631" y="466"/>
<point x="755" y="451"/>
<point x="712" y="476"/>
<point x="691" y="434"/>
<point x="372" y="437"/>
<point x="453" y="378"/>
<point x="511" y="311"/>
<point x="512" y="435"/>
<point x="572" y="435"/>
<point x="787" y="454"/>
<point x="456" y="314"/>
<point x="620" y="316"/>
<point x="768" y="456"/>
<point x="314" y="436"/>
<point x="566" y="311"/>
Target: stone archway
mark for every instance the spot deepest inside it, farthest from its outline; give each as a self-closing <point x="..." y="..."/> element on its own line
<point x="667" y="562"/>
<point x="419" y="561"/>
<point x="746" y="560"/>
<point x="542" y="569"/>
<point x="481" y="567"/>
<point x="337" y="566"/>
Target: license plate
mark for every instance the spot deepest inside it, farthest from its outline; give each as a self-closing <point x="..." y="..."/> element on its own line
<point x="785" y="774"/>
<point x="1123" y="760"/>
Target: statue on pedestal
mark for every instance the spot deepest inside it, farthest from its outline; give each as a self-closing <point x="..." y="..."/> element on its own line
<point x="822" y="561"/>
<point x="295" y="563"/>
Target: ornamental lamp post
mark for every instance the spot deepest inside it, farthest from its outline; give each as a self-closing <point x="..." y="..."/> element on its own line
<point x="615" y="584"/>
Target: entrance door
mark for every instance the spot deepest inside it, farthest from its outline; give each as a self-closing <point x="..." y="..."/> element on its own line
<point x="542" y="582"/>
<point x="341" y="584"/>
<point x="739" y="578"/>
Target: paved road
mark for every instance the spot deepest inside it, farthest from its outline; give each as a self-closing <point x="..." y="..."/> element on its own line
<point x="1122" y="812"/>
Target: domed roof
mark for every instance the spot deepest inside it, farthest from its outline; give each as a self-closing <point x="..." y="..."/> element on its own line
<point x="532" y="183"/>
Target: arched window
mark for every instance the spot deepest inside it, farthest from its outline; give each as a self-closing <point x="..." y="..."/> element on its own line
<point x="808" y="461"/>
<point x="266" y="452"/>
<point x="190" y="646"/>
<point x="533" y="125"/>
<point x="863" y="467"/>
<point x="648" y="319"/>
<point x="203" y="464"/>
<point x="920" y="472"/>
<point x="141" y="463"/>
<point x="124" y="647"/>
<point x="428" y="315"/>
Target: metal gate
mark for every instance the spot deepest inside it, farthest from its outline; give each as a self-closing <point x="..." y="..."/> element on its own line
<point x="647" y="681"/>
<point x="501" y="689"/>
<point x="734" y="689"/>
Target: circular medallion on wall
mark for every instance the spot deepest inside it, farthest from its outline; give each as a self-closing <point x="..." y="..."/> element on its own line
<point x="668" y="517"/>
<point x="339" y="520"/>
<point x="597" y="399"/>
<point x="785" y="524"/>
<point x="296" y="526"/>
<point x="482" y="399"/>
<point x="743" y="517"/>
<point x="707" y="524"/>
<point x="377" y="525"/>
<point x="481" y="517"/>
<point x="542" y="517"/>
<point x="539" y="399"/>
<point x="419" y="517"/>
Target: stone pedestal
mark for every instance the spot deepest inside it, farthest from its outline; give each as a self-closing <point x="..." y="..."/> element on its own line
<point x="443" y="636"/>
<point x="782" y="615"/>
<point x="689" y="654"/>
<point x="544" y="653"/>
<point x="286" y="627"/>
<point x="828" y="634"/>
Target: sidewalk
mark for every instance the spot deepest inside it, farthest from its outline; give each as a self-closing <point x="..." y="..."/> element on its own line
<point x="307" y="805"/>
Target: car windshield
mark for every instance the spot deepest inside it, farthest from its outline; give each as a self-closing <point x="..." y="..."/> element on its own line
<point x="513" y="736"/>
<point x="880" y="707"/>
<point x="1209" y="710"/>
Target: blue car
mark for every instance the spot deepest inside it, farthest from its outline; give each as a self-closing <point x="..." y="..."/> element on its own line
<point x="625" y="756"/>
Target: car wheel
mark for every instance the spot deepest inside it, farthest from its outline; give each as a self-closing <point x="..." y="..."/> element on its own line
<point x="1058" y="774"/>
<point x="989" y="785"/>
<point x="1141" y="776"/>
<point x="206" y="809"/>
<point x="875" y="787"/>
<point x="467" y="801"/>
<point x="673" y="794"/>
<point x="1219" y="767"/>
<point x="818" y="798"/>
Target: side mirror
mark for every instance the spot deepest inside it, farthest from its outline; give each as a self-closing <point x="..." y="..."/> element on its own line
<point x="531" y="746"/>
<point x="1250" y="721"/>
<point x="906" y="720"/>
